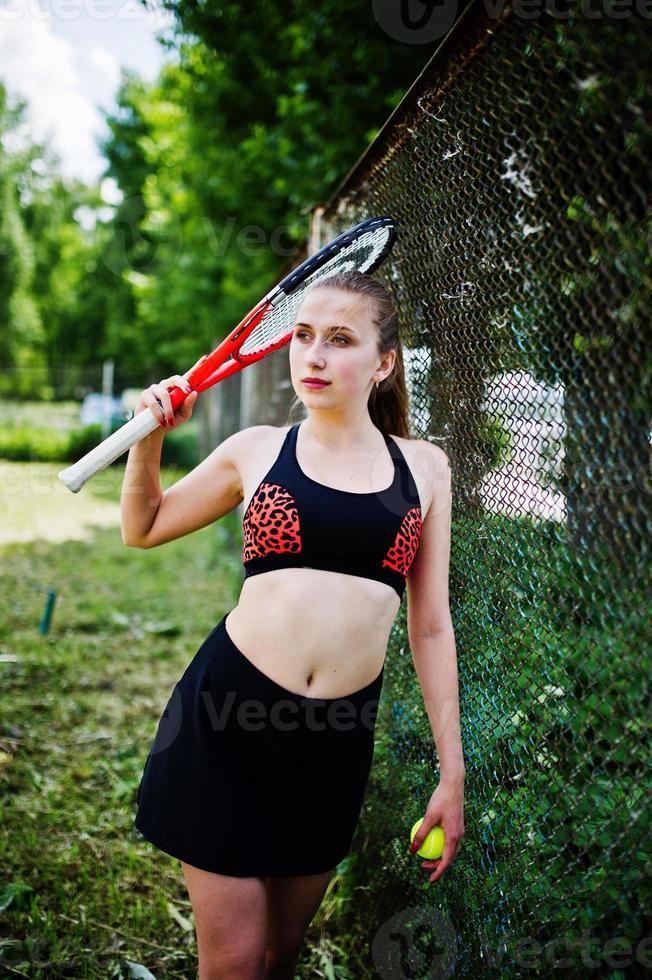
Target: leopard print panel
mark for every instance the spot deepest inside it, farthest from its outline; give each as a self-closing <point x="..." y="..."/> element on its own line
<point x="271" y="523"/>
<point x="401" y="554"/>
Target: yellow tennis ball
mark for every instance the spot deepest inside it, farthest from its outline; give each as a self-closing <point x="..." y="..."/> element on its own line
<point x="433" y="846"/>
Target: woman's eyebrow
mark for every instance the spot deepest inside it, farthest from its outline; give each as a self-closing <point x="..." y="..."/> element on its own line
<point x="334" y="327"/>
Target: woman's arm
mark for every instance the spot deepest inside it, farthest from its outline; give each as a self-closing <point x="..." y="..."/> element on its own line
<point x="141" y="494"/>
<point x="430" y="627"/>
<point x="435" y="662"/>
<point x="211" y="490"/>
<point x="141" y="488"/>
<point x="432" y="642"/>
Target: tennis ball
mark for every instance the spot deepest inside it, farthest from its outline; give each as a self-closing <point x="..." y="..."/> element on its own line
<point x="433" y="846"/>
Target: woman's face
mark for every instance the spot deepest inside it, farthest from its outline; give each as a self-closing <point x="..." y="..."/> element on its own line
<point x="334" y="339"/>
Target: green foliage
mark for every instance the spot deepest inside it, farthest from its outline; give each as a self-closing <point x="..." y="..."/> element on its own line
<point x="45" y="258"/>
<point x="555" y="732"/>
<point x="240" y="139"/>
<point x="61" y="416"/>
<point x="217" y="161"/>
<point x="30" y="444"/>
<point x="78" y="712"/>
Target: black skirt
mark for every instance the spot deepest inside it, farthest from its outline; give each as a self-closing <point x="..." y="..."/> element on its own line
<point x="247" y="778"/>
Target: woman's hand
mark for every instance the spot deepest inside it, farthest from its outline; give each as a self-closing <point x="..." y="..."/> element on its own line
<point x="446" y="810"/>
<point x="157" y="398"/>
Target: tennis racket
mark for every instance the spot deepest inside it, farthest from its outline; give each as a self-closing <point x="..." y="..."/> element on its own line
<point x="266" y="328"/>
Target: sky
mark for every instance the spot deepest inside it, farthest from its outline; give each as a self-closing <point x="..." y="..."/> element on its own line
<point x="65" y="56"/>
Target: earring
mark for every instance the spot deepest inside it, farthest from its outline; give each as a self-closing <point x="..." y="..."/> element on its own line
<point x="377" y="383"/>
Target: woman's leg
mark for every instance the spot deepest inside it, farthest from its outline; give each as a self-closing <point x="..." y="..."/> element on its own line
<point x="230" y="922"/>
<point x="291" y="906"/>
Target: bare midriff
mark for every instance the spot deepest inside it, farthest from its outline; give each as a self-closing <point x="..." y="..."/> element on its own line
<point x="339" y="627"/>
<point x="317" y="633"/>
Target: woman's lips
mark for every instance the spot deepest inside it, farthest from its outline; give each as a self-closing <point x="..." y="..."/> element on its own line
<point x="316" y="384"/>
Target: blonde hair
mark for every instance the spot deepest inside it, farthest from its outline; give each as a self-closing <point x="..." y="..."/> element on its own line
<point x="389" y="403"/>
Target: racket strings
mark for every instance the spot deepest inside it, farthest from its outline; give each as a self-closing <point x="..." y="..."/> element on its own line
<point x="360" y="254"/>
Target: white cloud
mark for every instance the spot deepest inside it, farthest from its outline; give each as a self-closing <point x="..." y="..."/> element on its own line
<point x="66" y="64"/>
<point x="105" y="66"/>
<point x="40" y="66"/>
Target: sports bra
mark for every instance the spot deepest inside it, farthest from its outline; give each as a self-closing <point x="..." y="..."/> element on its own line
<point x="292" y="521"/>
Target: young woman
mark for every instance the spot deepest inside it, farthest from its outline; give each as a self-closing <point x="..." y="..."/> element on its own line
<point x="256" y="777"/>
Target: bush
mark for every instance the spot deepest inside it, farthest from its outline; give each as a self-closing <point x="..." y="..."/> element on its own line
<point x="24" y="444"/>
<point x="27" y="444"/>
<point x="180" y="447"/>
<point x="82" y="440"/>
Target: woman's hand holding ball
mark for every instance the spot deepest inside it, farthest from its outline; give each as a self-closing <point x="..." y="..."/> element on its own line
<point x="433" y="845"/>
<point x="444" y="820"/>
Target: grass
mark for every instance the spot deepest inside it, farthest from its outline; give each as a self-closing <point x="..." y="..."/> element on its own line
<point x="82" y="894"/>
<point x="38" y="508"/>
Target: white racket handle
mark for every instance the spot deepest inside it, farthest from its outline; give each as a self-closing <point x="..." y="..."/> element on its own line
<point x="118" y="443"/>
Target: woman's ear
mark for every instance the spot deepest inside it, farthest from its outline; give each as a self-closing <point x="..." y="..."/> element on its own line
<point x="387" y="363"/>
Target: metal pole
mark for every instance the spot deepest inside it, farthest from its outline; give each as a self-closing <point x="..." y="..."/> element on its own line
<point x="107" y="396"/>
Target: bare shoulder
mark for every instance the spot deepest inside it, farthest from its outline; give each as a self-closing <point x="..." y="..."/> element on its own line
<point x="252" y="439"/>
<point x="259" y="437"/>
<point x="255" y="435"/>
<point x="254" y="443"/>
<point x="436" y="452"/>
<point x="415" y="445"/>
<point x="430" y="467"/>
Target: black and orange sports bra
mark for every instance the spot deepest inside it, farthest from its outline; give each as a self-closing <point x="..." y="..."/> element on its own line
<point x="292" y="521"/>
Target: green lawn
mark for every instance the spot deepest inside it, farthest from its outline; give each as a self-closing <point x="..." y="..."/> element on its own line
<point x="81" y="893"/>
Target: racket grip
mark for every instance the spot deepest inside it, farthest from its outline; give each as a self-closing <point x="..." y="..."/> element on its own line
<point x="119" y="442"/>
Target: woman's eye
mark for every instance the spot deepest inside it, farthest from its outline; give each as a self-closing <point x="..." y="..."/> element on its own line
<point x="303" y="333"/>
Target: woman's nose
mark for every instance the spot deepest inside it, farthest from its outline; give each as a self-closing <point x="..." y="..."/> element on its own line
<point x="315" y="355"/>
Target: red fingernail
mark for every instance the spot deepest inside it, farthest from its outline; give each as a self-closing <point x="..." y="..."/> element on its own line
<point x="414" y="848"/>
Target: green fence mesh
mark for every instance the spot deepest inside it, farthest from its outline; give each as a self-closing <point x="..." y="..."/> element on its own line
<point x="517" y="169"/>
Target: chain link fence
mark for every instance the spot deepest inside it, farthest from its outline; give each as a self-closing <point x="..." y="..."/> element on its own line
<point x="517" y="168"/>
